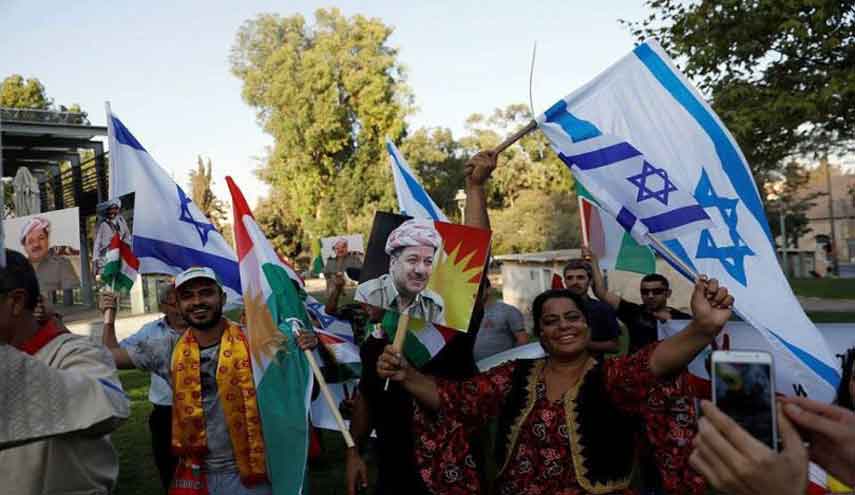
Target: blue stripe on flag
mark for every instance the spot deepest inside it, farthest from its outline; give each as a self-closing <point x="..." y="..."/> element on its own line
<point x="413" y="185"/>
<point x="124" y="136"/>
<point x="577" y="129"/>
<point x="626" y="219"/>
<point x="674" y="218"/>
<point x="112" y="386"/>
<point x="826" y="372"/>
<point x="184" y="257"/>
<point x="604" y="156"/>
<point x="736" y="169"/>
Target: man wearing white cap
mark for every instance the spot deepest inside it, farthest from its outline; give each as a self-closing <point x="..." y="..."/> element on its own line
<point x="53" y="271"/>
<point x="412" y="250"/>
<point x="216" y="424"/>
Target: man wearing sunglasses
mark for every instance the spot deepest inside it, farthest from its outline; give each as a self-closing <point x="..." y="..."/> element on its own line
<point x="641" y="320"/>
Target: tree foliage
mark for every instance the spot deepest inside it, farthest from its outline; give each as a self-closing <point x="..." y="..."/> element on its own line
<point x="537" y="221"/>
<point x="329" y="93"/>
<point x="201" y="192"/>
<point x="528" y="165"/>
<point x="437" y="159"/>
<point x="790" y="198"/>
<point x="15" y="92"/>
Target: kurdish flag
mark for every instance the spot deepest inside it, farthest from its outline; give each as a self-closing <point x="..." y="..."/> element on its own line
<point x="283" y="377"/>
<point x="317" y="258"/>
<point x="121" y="266"/>
<point x="614" y="247"/>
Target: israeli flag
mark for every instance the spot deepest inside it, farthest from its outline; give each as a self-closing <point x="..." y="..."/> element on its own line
<point x="413" y="200"/>
<point x="643" y="104"/>
<point x="170" y="233"/>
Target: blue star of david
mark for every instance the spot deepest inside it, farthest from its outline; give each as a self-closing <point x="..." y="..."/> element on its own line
<point x="731" y="257"/>
<point x="644" y="192"/>
<point x="201" y="227"/>
<point x="322" y="317"/>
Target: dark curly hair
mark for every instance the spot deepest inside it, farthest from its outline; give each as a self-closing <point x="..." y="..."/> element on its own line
<point x="844" y="397"/>
<point x="540" y="300"/>
<point x="19" y="274"/>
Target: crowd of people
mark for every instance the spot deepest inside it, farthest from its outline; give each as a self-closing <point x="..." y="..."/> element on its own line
<point x="579" y="420"/>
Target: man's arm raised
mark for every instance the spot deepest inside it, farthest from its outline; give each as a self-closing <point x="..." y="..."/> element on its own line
<point x="598" y="283"/>
<point x="108" y="335"/>
<point x="477" y="171"/>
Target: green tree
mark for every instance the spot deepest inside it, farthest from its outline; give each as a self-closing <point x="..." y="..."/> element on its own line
<point x="790" y="196"/>
<point x="201" y="192"/>
<point x="528" y="165"/>
<point x="437" y="159"/>
<point x="280" y="225"/>
<point x="15" y="92"/>
<point x="537" y="221"/>
<point x="329" y="94"/>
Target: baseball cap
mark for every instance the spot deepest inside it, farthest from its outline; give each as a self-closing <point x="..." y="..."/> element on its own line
<point x="194" y="273"/>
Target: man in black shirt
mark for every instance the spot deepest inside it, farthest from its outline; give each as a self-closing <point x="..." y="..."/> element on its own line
<point x="641" y="320"/>
<point x="603" y="322"/>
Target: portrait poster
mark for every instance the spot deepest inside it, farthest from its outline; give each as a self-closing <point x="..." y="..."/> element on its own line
<point x="51" y="241"/>
<point x="353" y="243"/>
<point x="115" y="216"/>
<point x="430" y="269"/>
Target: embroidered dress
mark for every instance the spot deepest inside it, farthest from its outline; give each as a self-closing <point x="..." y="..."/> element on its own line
<point x="581" y="443"/>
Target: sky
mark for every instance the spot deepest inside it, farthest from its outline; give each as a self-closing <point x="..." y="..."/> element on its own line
<point x="163" y="65"/>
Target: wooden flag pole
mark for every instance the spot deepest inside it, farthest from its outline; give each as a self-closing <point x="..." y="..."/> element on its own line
<point x="400" y="336"/>
<point x="583" y="222"/>
<point x="515" y="137"/>
<point x="325" y="391"/>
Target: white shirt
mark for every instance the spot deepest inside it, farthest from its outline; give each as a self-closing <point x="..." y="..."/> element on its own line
<point x="159" y="392"/>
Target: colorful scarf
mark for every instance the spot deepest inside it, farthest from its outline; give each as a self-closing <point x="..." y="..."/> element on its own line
<point x="236" y="390"/>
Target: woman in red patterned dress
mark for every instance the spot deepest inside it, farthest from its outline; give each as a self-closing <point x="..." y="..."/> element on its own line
<point x="568" y="424"/>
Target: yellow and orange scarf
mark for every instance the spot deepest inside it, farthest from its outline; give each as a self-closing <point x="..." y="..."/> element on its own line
<point x="236" y="390"/>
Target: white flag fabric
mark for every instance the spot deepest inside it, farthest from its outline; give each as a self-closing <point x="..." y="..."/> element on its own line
<point x="413" y="200"/>
<point x="170" y="232"/>
<point x="646" y="101"/>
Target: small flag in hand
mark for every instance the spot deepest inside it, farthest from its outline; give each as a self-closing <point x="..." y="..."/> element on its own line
<point x="120" y="267"/>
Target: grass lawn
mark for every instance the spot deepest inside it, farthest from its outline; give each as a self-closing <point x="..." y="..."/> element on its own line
<point x="827" y="288"/>
<point x="138" y="476"/>
<point x="832" y="316"/>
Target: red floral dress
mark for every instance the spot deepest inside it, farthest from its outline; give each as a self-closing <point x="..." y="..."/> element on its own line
<point x="541" y="461"/>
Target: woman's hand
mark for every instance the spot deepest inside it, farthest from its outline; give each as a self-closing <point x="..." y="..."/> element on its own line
<point x="392" y="365"/>
<point x="711" y="305"/>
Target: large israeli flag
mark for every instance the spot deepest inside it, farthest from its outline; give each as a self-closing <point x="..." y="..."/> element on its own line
<point x="170" y="233"/>
<point x="413" y="200"/>
<point x="644" y="102"/>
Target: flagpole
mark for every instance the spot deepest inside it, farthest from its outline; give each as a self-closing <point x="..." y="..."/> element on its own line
<point x="110" y="140"/>
<point x="515" y="137"/>
<point x="400" y="336"/>
<point x="583" y="222"/>
<point x="325" y="391"/>
<point x="660" y="246"/>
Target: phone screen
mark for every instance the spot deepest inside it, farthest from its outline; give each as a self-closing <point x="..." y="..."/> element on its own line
<point x="743" y="392"/>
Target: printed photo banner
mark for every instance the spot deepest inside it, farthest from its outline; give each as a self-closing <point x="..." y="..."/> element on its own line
<point x="51" y="241"/>
<point x="431" y="269"/>
<point x="115" y="216"/>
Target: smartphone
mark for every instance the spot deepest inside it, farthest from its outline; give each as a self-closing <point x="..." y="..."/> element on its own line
<point x="743" y="387"/>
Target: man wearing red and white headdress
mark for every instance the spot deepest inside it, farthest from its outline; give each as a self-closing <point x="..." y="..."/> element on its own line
<point x="412" y="249"/>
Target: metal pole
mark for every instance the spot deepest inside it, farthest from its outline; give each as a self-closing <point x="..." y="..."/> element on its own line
<point x="782" y="218"/>
<point x="834" y="267"/>
<point x="2" y="202"/>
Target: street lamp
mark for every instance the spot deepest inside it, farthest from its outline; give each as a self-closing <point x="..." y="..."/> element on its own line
<point x="460" y="198"/>
<point x="775" y="194"/>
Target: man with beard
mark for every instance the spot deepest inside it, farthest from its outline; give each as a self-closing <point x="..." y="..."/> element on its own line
<point x="54" y="272"/>
<point x="113" y="223"/>
<point x="603" y="322"/>
<point x="213" y="389"/>
<point x="641" y="320"/>
<point x="337" y="264"/>
<point x="159" y="392"/>
<point x="412" y="249"/>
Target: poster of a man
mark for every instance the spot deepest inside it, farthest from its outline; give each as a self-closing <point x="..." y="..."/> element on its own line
<point x="111" y="221"/>
<point x="339" y="254"/>
<point x="412" y="248"/>
<point x="51" y="242"/>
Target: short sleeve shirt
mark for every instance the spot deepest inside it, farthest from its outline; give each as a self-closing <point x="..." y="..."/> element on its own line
<point x="155" y="355"/>
<point x="159" y="392"/>
<point x="501" y="321"/>
<point x="643" y="328"/>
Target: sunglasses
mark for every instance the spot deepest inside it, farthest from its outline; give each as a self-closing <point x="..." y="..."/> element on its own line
<point x="653" y="292"/>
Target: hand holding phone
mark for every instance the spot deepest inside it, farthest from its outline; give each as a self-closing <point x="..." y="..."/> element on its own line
<point x="743" y="387"/>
